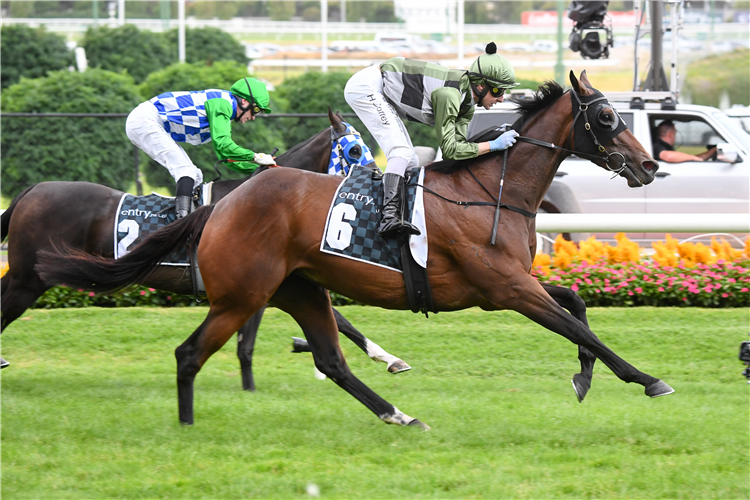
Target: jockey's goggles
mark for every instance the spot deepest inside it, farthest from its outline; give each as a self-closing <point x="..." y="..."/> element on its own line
<point x="253" y="107"/>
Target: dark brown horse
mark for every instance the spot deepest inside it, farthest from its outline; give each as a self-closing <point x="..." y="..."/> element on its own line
<point x="277" y="258"/>
<point x="81" y="215"/>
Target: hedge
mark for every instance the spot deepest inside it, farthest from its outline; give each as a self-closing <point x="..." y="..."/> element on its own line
<point x="72" y="149"/>
<point x="30" y="53"/>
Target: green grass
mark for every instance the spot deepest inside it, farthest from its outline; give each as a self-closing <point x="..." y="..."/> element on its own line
<point x="89" y="410"/>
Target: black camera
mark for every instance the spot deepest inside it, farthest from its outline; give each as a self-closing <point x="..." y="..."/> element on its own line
<point x="745" y="358"/>
<point x="591" y="36"/>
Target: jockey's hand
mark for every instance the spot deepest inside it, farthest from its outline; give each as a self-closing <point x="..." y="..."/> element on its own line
<point x="505" y="141"/>
<point x="264" y="159"/>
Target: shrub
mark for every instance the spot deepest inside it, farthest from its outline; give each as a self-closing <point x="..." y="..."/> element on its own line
<point x="127" y="48"/>
<point x="708" y="78"/>
<point x="207" y="44"/>
<point x="30" y="53"/>
<point x="91" y="149"/>
<point x="259" y="135"/>
<point x="313" y="92"/>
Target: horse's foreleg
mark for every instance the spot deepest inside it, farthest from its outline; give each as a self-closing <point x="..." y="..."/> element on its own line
<point x="310" y="305"/>
<point x="209" y="337"/>
<point x="245" y="347"/>
<point x="568" y="299"/>
<point x="18" y="294"/>
<point x="373" y="350"/>
<point x="532" y="301"/>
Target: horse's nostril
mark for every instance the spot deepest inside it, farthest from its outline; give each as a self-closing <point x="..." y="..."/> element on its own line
<point x="649" y="165"/>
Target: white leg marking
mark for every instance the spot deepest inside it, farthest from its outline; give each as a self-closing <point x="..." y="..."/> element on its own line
<point x="319" y="374"/>
<point x="377" y="353"/>
<point x="397" y="418"/>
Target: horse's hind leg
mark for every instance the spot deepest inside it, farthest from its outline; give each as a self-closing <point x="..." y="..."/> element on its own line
<point x="373" y="350"/>
<point x="220" y="324"/>
<point x="245" y="347"/>
<point x="568" y="299"/>
<point x="310" y="305"/>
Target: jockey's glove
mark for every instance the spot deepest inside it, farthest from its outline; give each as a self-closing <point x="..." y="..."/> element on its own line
<point x="505" y="141"/>
<point x="263" y="159"/>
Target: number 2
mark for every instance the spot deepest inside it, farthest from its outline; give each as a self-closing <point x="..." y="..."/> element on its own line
<point x="130" y="227"/>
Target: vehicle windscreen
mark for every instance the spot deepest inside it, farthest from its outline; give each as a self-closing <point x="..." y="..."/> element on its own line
<point x="734" y="128"/>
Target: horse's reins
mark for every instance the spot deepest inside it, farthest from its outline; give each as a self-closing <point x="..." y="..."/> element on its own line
<point x="583" y="107"/>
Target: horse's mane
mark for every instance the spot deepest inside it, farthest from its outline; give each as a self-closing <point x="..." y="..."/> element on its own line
<point x="545" y="95"/>
<point x="301" y="144"/>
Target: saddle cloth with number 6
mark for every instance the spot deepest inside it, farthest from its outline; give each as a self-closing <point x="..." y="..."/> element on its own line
<point x="139" y="216"/>
<point x="351" y="225"/>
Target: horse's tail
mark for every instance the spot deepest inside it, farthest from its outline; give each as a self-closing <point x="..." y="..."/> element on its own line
<point x="5" y="218"/>
<point x="78" y="269"/>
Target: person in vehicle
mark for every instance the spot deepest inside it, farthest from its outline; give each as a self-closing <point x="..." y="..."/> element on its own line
<point x="197" y="117"/>
<point x="664" y="141"/>
<point x="431" y="94"/>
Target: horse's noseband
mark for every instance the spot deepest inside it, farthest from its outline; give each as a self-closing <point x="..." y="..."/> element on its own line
<point x="600" y="133"/>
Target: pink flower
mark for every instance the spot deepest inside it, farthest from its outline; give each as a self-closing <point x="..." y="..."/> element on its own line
<point x="169" y="297"/>
<point x="661" y="288"/>
<point x="684" y="298"/>
<point x="639" y="290"/>
<point x="143" y="292"/>
<point x="630" y="293"/>
<point x="744" y="289"/>
<point x="151" y="290"/>
<point x="574" y="287"/>
<point x="91" y="294"/>
<point x="725" y="295"/>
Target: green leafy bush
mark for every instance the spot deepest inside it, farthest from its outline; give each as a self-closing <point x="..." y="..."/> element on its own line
<point x="30" y="53"/>
<point x="207" y="44"/>
<point x="708" y="78"/>
<point x="62" y="297"/>
<point x="127" y="48"/>
<point x="313" y="92"/>
<point x="90" y="149"/>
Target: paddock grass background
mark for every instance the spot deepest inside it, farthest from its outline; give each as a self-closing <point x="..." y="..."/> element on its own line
<point x="89" y="410"/>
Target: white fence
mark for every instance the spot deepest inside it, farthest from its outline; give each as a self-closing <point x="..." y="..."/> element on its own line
<point x="252" y="25"/>
<point x="643" y="223"/>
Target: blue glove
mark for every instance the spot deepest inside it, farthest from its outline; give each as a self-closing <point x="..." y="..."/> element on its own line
<point x="505" y="141"/>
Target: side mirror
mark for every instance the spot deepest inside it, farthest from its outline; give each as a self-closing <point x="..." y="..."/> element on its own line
<point x="727" y="153"/>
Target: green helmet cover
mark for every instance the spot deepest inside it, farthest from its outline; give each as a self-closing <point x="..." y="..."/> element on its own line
<point x="493" y="69"/>
<point x="254" y="91"/>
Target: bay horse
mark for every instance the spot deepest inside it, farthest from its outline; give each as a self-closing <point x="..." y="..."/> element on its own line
<point x="276" y="258"/>
<point x="81" y="215"/>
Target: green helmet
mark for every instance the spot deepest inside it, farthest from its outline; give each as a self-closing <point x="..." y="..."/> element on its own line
<point x="254" y="91"/>
<point x="492" y="70"/>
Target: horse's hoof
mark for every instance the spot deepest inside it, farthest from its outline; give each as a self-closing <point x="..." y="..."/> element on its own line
<point x="300" y="345"/>
<point x="580" y="388"/>
<point x="418" y="423"/>
<point x="5" y="364"/>
<point x="657" y="389"/>
<point x="398" y="366"/>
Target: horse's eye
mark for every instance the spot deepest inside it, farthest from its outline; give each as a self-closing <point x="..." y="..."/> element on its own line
<point x="607" y="118"/>
<point x="355" y="152"/>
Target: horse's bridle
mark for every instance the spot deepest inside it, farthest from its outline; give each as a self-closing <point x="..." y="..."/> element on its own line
<point x="583" y="130"/>
<point x="348" y="151"/>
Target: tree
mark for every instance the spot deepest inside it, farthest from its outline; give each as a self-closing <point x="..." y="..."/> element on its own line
<point x="207" y="44"/>
<point x="281" y="10"/>
<point x="30" y="53"/>
<point x="72" y="149"/>
<point x="127" y="48"/>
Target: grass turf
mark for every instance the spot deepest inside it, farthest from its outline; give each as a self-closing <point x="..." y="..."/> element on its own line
<point x="89" y="410"/>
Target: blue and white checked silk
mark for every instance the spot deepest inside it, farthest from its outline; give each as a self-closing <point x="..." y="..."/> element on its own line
<point x="341" y="161"/>
<point x="184" y="113"/>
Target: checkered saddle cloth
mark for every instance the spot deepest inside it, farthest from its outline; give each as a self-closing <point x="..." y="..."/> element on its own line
<point x="139" y="216"/>
<point x="351" y="225"/>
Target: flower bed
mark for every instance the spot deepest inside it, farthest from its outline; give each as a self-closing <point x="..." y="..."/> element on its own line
<point x="677" y="274"/>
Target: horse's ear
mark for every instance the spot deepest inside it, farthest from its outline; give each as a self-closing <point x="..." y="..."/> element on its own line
<point x="585" y="79"/>
<point x="331" y="117"/>
<point x="574" y="82"/>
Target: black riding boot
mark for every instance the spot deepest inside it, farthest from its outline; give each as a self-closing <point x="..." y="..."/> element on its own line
<point x="392" y="220"/>
<point x="183" y="193"/>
